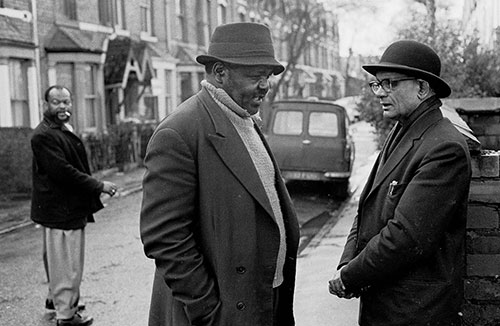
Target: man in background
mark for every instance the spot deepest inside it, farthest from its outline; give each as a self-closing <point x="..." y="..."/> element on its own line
<point x="64" y="198"/>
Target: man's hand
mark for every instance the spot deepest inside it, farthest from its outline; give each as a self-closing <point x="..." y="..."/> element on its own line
<point x="336" y="286"/>
<point x="109" y="188"/>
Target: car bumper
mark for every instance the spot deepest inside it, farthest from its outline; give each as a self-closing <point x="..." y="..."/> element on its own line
<point x="314" y="176"/>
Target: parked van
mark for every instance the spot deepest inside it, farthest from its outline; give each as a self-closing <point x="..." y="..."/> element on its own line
<point x="311" y="141"/>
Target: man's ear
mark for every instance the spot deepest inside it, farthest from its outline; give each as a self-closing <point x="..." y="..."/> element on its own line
<point x="424" y="88"/>
<point x="219" y="71"/>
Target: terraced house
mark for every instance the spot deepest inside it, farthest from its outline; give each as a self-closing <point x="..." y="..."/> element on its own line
<point x="130" y="63"/>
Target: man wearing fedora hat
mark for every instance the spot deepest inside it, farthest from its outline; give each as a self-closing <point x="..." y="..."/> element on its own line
<point x="404" y="254"/>
<point x="216" y="216"/>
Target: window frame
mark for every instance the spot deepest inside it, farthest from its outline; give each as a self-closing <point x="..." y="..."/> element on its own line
<point x="19" y="92"/>
<point x="69" y="9"/>
<point x="93" y="97"/>
<point x="146" y="16"/>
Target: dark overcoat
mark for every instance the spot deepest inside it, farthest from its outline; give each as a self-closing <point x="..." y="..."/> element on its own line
<point x="208" y="224"/>
<point x="405" y="252"/>
<point x="64" y="194"/>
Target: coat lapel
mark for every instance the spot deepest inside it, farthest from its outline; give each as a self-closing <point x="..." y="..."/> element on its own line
<point x="232" y="151"/>
<point x="413" y="134"/>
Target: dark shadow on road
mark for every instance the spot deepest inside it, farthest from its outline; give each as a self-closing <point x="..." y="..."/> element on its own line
<point x="316" y="204"/>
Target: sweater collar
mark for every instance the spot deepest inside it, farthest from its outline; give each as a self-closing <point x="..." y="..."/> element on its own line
<point x="223" y="97"/>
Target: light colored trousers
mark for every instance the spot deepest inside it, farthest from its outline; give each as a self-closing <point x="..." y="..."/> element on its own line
<point x="65" y="255"/>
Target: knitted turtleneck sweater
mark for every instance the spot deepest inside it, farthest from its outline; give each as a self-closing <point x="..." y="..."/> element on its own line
<point x="245" y="126"/>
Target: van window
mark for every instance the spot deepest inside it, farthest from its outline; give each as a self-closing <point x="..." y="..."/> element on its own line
<point x="288" y="123"/>
<point x="323" y="124"/>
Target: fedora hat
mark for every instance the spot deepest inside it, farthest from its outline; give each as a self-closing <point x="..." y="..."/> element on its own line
<point x="247" y="44"/>
<point x="413" y="59"/>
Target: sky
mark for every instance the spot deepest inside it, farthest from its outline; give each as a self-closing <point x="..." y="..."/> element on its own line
<point x="368" y="31"/>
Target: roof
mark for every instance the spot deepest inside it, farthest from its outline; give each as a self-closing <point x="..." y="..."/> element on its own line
<point x="15" y="30"/>
<point x="125" y="55"/>
<point x="186" y="56"/>
<point x="67" y="39"/>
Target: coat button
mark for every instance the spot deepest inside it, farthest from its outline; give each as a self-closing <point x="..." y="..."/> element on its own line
<point x="241" y="270"/>
<point x="240" y="305"/>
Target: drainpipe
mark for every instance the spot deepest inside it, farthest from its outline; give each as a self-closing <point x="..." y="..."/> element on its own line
<point x="37" y="56"/>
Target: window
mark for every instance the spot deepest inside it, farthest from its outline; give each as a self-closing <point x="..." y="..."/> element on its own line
<point x="90" y="96"/>
<point x="151" y="106"/>
<point x="288" y="123"/>
<point x="323" y="124"/>
<point x="180" y="10"/>
<point x="186" y="85"/>
<point x="200" y="23"/>
<point x="201" y="76"/>
<point x="120" y="14"/>
<point x="19" y="103"/>
<point x="146" y="9"/>
<point x="105" y="12"/>
<point x="69" y="9"/>
<point x="168" y="91"/>
<point x="209" y="17"/>
<point x="222" y="12"/>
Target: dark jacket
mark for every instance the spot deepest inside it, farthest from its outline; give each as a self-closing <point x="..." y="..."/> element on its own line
<point x="64" y="194"/>
<point x="405" y="252"/>
<point x="207" y="222"/>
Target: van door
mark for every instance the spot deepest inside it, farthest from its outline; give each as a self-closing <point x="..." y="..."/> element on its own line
<point x="323" y="141"/>
<point x="286" y="135"/>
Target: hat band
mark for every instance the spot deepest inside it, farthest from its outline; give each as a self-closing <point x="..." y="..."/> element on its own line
<point x="234" y="50"/>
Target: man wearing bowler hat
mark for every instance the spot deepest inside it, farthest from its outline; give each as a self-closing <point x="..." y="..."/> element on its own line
<point x="216" y="216"/>
<point x="404" y="255"/>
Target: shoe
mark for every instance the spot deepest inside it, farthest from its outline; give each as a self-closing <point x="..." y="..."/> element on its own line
<point x="49" y="305"/>
<point x="76" y="320"/>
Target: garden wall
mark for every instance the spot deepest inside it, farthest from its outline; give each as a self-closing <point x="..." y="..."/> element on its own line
<point x="482" y="275"/>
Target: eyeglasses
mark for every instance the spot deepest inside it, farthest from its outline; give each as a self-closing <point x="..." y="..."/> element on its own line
<point x="386" y="84"/>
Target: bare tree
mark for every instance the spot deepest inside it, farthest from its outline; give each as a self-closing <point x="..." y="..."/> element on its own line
<point x="299" y="22"/>
<point x="430" y="6"/>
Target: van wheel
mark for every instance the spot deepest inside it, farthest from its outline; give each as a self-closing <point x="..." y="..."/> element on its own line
<point x="340" y="189"/>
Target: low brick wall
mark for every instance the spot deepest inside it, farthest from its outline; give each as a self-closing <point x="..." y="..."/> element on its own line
<point x="15" y="160"/>
<point x="482" y="275"/>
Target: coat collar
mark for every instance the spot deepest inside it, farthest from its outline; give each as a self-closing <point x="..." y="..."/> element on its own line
<point x="50" y="123"/>
<point x="407" y="142"/>
<point x="232" y="151"/>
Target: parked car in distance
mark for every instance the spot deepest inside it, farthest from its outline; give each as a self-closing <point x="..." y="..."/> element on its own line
<point x="311" y="141"/>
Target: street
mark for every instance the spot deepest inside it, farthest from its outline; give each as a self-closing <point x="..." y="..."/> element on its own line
<point x="117" y="278"/>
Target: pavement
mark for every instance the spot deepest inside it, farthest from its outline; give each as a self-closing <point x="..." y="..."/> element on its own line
<point x="317" y="263"/>
<point x="15" y="209"/>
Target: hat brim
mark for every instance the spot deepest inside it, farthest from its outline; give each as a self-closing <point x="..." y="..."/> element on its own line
<point x="244" y="61"/>
<point x="441" y="87"/>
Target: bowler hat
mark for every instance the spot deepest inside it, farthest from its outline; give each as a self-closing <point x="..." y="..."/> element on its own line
<point x="414" y="59"/>
<point x="246" y="44"/>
